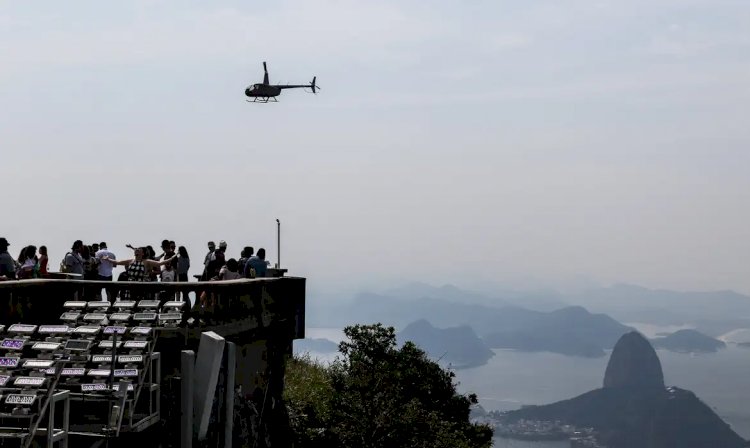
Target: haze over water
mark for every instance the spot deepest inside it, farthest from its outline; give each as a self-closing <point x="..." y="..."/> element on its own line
<point x="511" y="379"/>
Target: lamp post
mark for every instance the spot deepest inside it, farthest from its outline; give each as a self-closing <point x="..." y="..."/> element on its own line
<point x="278" y="243"/>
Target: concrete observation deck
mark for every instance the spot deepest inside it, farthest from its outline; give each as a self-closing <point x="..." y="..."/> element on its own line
<point x="260" y="316"/>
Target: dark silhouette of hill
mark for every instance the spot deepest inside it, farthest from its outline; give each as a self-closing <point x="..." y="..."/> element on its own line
<point x="634" y="409"/>
<point x="633" y="364"/>
<point x="569" y="331"/>
<point x="459" y="346"/>
<point x="688" y="341"/>
<point x="712" y="312"/>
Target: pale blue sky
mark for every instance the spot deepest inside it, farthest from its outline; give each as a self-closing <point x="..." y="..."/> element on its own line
<point x="452" y="141"/>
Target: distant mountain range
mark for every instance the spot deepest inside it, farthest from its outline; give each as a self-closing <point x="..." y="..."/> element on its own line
<point x="569" y="330"/>
<point x="712" y="312"/>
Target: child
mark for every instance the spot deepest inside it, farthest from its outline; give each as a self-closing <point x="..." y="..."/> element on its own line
<point x="168" y="275"/>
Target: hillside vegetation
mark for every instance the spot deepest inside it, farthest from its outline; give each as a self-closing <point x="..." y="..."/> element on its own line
<point x="377" y="395"/>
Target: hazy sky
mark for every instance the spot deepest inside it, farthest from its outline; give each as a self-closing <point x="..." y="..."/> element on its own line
<point x="452" y="141"/>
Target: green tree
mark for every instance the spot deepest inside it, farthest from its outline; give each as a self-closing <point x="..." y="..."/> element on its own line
<point x="385" y="396"/>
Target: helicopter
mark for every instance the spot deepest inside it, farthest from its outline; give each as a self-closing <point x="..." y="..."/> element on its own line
<point x="265" y="92"/>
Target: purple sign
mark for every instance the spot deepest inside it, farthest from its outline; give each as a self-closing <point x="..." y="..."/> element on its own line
<point x="9" y="362"/>
<point x="12" y="344"/>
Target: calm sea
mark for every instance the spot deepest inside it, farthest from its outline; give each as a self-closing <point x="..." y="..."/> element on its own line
<point x="511" y="379"/>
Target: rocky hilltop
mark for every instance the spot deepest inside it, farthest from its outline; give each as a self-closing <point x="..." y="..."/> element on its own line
<point x="634" y="363"/>
<point x="634" y="409"/>
<point x="689" y="341"/>
<point x="459" y="346"/>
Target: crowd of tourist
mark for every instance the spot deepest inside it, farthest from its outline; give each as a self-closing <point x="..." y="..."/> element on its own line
<point x="97" y="262"/>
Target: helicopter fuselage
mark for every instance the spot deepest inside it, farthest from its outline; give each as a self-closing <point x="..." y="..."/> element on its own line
<point x="262" y="91"/>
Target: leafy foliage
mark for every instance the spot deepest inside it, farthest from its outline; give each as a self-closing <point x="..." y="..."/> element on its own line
<point x="377" y="395"/>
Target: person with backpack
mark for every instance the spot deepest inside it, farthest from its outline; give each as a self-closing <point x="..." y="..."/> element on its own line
<point x="73" y="261"/>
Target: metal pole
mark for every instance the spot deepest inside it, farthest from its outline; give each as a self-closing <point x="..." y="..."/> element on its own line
<point x="186" y="390"/>
<point x="278" y="243"/>
<point x="229" y="399"/>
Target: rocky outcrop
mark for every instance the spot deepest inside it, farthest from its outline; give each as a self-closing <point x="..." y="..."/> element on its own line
<point x="458" y="346"/>
<point x="689" y="341"/>
<point x="634" y="364"/>
<point x="634" y="409"/>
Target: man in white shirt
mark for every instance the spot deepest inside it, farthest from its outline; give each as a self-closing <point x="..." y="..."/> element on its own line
<point x="103" y="255"/>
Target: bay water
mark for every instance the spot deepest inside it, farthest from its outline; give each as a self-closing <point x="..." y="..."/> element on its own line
<point x="511" y="379"/>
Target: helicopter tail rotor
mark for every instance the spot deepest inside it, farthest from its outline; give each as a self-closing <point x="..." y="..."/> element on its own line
<point x="313" y="86"/>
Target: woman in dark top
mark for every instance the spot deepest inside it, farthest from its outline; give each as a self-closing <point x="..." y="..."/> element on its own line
<point x="43" y="262"/>
<point x="89" y="264"/>
<point x="183" y="264"/>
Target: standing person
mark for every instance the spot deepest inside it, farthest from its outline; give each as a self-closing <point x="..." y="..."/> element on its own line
<point x="245" y="255"/>
<point x="21" y="257"/>
<point x="43" y="262"/>
<point x="207" y="260"/>
<point x="28" y="262"/>
<point x="183" y="266"/>
<point x="256" y="265"/>
<point x="153" y="274"/>
<point x="104" y="268"/>
<point x="73" y="262"/>
<point x="89" y="263"/>
<point x="169" y="275"/>
<point x="139" y="267"/>
<point x="167" y="251"/>
<point x="7" y="265"/>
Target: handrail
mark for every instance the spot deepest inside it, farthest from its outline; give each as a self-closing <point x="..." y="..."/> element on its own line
<point x="180" y="286"/>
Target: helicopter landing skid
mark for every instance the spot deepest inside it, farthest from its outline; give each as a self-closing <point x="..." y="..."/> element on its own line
<point x="265" y="99"/>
